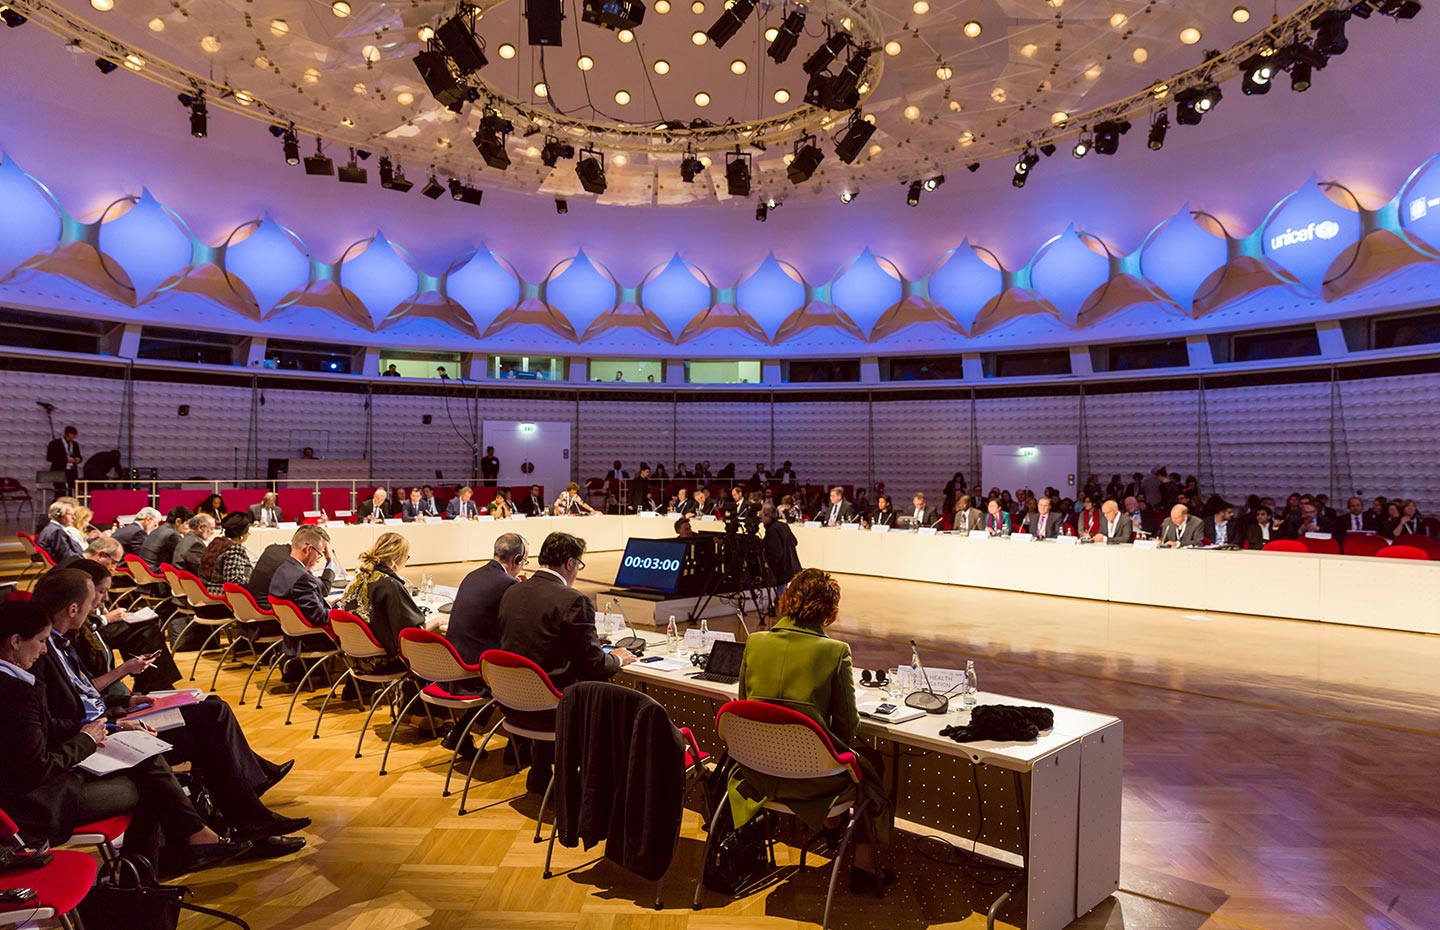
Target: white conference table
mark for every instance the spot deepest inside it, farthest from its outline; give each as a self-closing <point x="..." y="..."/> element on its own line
<point x="1361" y="591"/>
<point x="1052" y="804"/>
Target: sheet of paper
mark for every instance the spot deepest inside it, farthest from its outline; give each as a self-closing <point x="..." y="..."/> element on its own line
<point x="123" y="750"/>
<point x="142" y="615"/>
<point x="664" y="663"/>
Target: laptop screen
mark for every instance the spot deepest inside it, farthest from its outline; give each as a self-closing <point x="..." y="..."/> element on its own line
<point x="725" y="658"/>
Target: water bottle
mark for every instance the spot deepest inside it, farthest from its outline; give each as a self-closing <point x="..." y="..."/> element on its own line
<point x="971" y="685"/>
<point x="672" y="636"/>
<point x="916" y="681"/>
<point x="704" y="636"/>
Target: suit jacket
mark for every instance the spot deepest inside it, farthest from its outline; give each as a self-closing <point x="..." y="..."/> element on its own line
<point x="131" y="537"/>
<point x="684" y="508"/>
<point x="475" y="615"/>
<point x="1255" y="539"/>
<point x="160" y="546"/>
<point x="489" y="467"/>
<point x="56" y="454"/>
<point x="553" y="625"/>
<point x="1124" y="533"/>
<point x="269" y="516"/>
<point x="1147" y="520"/>
<point x="780" y="552"/>
<point x="1052" y="524"/>
<point x="1233" y="535"/>
<point x="1188" y="535"/>
<point x="534" y="507"/>
<point x="60" y="544"/>
<point x="971" y="519"/>
<point x="706" y="509"/>
<point x="458" y="510"/>
<point x="410" y="511"/>
<point x="842" y="516"/>
<point x="38" y="787"/>
<point x="367" y="508"/>
<point x="927" y="514"/>
<point x="293" y="582"/>
<point x="884" y="518"/>
<point x="188" y="552"/>
<point x="639" y="493"/>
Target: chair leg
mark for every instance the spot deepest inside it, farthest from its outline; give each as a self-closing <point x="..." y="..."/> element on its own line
<point x="379" y="698"/>
<point x="705" y="851"/>
<point x="274" y="663"/>
<point x="259" y="660"/>
<point x="660" y="893"/>
<point x="470" y="772"/>
<point x="229" y="650"/>
<point x="206" y="645"/>
<point x="300" y="685"/>
<point x="464" y="735"/>
<point x="855" y="815"/>
<point x="550" y="849"/>
<point x="326" y="703"/>
<point x="544" y="801"/>
<point x="384" y="760"/>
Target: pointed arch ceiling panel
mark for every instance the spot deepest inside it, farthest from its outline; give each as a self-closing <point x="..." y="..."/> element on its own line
<point x="581" y="290"/>
<point x="1179" y="255"/>
<point x="1068" y="271"/>
<point x="484" y="285"/>
<point x="266" y="262"/>
<point x="30" y="220"/>
<point x="675" y="293"/>
<point x="149" y="242"/>
<point x="770" y="293"/>
<point x="965" y="283"/>
<point x="378" y="275"/>
<point x="866" y="289"/>
<point x="1306" y="234"/>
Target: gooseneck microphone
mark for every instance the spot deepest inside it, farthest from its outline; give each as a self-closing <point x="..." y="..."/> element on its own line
<point x="633" y="643"/>
<point x="926" y="700"/>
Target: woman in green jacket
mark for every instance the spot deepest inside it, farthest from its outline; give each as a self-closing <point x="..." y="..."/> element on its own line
<point x="798" y="666"/>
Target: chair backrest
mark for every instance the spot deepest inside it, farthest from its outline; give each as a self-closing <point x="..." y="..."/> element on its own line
<point x="172" y="578"/>
<point x="518" y="683"/>
<point x="354" y="635"/>
<point x="36" y="548"/>
<point x="781" y="742"/>
<point x="196" y="592"/>
<point x="1363" y="544"/>
<point x="1430" y="547"/>
<point x="1404" y="552"/>
<point x="1321" y="546"/>
<point x="243" y="604"/>
<point x="292" y="622"/>
<point x="433" y="658"/>
<point x="1285" y="545"/>
<point x="141" y="572"/>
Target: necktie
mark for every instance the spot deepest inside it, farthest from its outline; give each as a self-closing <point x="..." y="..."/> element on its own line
<point x="1355" y="521"/>
<point x="834" y="512"/>
<point x="1043" y="517"/>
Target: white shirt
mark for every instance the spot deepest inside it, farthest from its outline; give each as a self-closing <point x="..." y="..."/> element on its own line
<point x="552" y="572"/>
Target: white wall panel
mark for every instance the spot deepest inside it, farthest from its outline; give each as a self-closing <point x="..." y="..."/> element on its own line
<point x="211" y="442"/>
<point x="330" y="422"/>
<point x="919" y="444"/>
<point x="1268" y="440"/>
<point x="1391" y="432"/>
<point x="727" y="432"/>
<point x="631" y="431"/>
<point x="91" y="405"/>
<point x="406" y="450"/>
<point x="1126" y="433"/>
<point x="828" y="441"/>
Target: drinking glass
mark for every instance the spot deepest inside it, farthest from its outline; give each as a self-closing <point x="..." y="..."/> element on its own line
<point x="427" y="584"/>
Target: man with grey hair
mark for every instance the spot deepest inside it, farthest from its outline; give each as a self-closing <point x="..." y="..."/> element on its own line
<point x="132" y="535"/>
<point x="191" y="546"/>
<point x="55" y="538"/>
<point x="266" y="513"/>
<point x="294" y="581"/>
<point x="106" y="551"/>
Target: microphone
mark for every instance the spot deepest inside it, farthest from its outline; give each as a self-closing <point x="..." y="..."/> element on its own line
<point x="49" y="408"/>
<point x="633" y="642"/>
<point x="926" y="700"/>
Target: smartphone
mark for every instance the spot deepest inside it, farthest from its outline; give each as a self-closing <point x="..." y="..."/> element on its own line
<point x="884" y="709"/>
<point x="17" y="895"/>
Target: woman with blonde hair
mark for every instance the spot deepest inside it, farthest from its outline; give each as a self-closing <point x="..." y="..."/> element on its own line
<point x="378" y="596"/>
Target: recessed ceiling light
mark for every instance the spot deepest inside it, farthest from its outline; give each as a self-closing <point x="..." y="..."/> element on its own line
<point x="1118" y="19"/>
<point x="944" y="73"/>
<point x="540" y="89"/>
<point x="370" y="53"/>
<point x="702" y="99"/>
<point x="312" y="75"/>
<point x="1093" y="72"/>
<point x="263" y="64"/>
<point x="967" y="138"/>
<point x="507" y="51"/>
<point x="210" y="44"/>
<point x="998" y="95"/>
<point x="875" y="150"/>
<point x="1029" y="49"/>
<point x="622" y="97"/>
<point x="789" y="157"/>
<point x="847" y="24"/>
<point x="1057" y="4"/>
<point x="340" y="8"/>
<point x="104" y="6"/>
<point x="244" y="98"/>
<point x="771" y="33"/>
<point x="347" y="122"/>
<point x="697" y="38"/>
<point x="404" y="98"/>
<point x="973" y="29"/>
<point x="661" y="66"/>
<point x="619" y="159"/>
<point x="1189" y="35"/>
<point x="1140" y="55"/>
<point x="278" y="27"/>
<point x="955" y="106"/>
<point x="662" y="6"/>
<point x="1058" y="117"/>
<point x="625" y="36"/>
<point x="134" y="62"/>
<point x="705" y="160"/>
<point x="782" y="96"/>
<point x="1240" y="14"/>
<point x="864" y="87"/>
<point x="425" y="33"/>
<point x="157" y="25"/>
<point x="359" y="87"/>
<point x="892" y="48"/>
<point x="912" y="112"/>
<point x="921" y="7"/>
<point x="584" y="62"/>
<point x="698" y="7"/>
<point x="737" y="66"/>
<point x="870" y="118"/>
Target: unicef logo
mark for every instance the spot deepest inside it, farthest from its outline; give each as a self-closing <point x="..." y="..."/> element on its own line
<point x="1327" y="230"/>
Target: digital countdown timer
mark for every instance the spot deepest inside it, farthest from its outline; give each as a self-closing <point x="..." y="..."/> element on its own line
<point x="651" y="564"/>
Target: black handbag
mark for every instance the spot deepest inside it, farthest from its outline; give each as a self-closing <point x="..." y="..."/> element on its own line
<point x="127" y="896"/>
<point x="742" y="858"/>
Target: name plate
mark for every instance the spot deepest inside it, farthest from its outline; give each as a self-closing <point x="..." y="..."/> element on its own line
<point x="1319" y="536"/>
<point x="344" y="514"/>
<point x="394" y="521"/>
<point x="1068" y="540"/>
<point x="692" y="638"/>
<point x="609" y="623"/>
<point x="927" y="531"/>
<point x="850" y="527"/>
<point x="485" y="516"/>
<point x="519" y="516"/>
<point x="1146" y="544"/>
<point x="314" y="513"/>
<point x="813" y="524"/>
<point x="708" y="518"/>
<point x="880" y="528"/>
<point x="979" y="534"/>
<point x="287" y="525"/>
<point x="646" y="513"/>
<point x="125" y="520"/>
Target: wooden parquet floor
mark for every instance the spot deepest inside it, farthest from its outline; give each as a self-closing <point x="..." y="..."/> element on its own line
<point x="1278" y="776"/>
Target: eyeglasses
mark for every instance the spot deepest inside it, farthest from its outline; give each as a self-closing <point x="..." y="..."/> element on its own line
<point x="580" y="565"/>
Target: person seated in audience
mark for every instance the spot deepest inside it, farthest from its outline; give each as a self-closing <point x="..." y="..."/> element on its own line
<point x="1407" y="520"/>
<point x="191" y="547"/>
<point x="966" y="517"/>
<point x="1114" y="489"/>
<point x="1181" y="531"/>
<point x="417" y="509"/>
<point x="953" y="488"/>
<point x="1377" y="512"/>
<point x="1007" y="503"/>
<point x="726" y="472"/>
<point x="293" y="580"/>
<point x="1116" y="529"/>
<point x="1310" y="521"/>
<point x="500" y="506"/>
<point x="544" y="619"/>
<point x="617" y="472"/>
<point x="798" y="666"/>
<point x="427" y="495"/>
<point x="784" y="475"/>
<point x="534" y="505"/>
<point x="1092" y="487"/>
<point x="704" y="506"/>
<point x="1261" y="528"/>
<point x="787" y="511"/>
<point x="684" y="506"/>
<point x="884" y="513"/>
<point x="1086" y="523"/>
<point x="160" y="545"/>
<point x="85" y="526"/>
<point x="921" y="513"/>
<point x="1142" y="520"/>
<point x="461" y="507"/>
<point x="376" y="509"/>
<point x="570" y="503"/>
<point x="1042" y="524"/>
<point x="211" y="738"/>
<point x="660" y="474"/>
<point x="56" y="538"/>
<point x="997" y="518"/>
<point x="214" y="505"/>
<point x="838" y="510"/>
<point x="378" y="595"/>
<point x="1322" y="503"/>
<point x="1356" y="518"/>
<point x="226" y="560"/>
<point x="105" y="631"/>
<point x="48" y="796"/>
<point x="760" y="477"/>
<point x="267" y="512"/>
<point x="1220" y="528"/>
<point x="1290" y="513"/>
<point x="702" y="469"/>
<point x="861" y="504"/>
<point x="682" y="470"/>
<point x="740" y="508"/>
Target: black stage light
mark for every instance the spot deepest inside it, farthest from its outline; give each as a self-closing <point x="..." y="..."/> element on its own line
<point x="932" y="183"/>
<point x="761" y="212"/>
<point x="821" y="58"/>
<point x="561" y="207"/>
<point x="806" y="159"/>
<point x="1302" y="60"/>
<point x="352" y="173"/>
<point x="543" y="19"/>
<point x="690" y="168"/>
<point x="490" y="140"/>
<point x="613" y="14"/>
<point x="432" y="189"/>
<point x="1158" y="128"/>
<point x="843" y="92"/>
<point x="1257" y="70"/>
<point x="737" y="173"/>
<point x="392" y="177"/>
<point x="591" y="171"/>
<point x="817" y="89"/>
<point x="12" y="19"/>
<point x="1082" y="147"/>
<point x="105" y="65"/>
<point x="457" y="189"/>
<point x="787" y="35"/>
<point x="465" y="193"/>
<point x="912" y="197"/>
<point x="290" y="145"/>
<point x="1330" y="32"/>
<point x="199" y="116"/>
<point x="973" y="167"/>
<point x="1107" y="136"/>
<point x="441" y="78"/>
<point x="1028" y="160"/>
<point x="458" y="40"/>
<point x="848" y="196"/>
<point x="730" y="22"/>
<point x="1047" y="149"/>
<point x="319" y="163"/>
<point x="1400" y="9"/>
<point x="554" y="150"/>
<point x="852" y="142"/>
<point x="1192" y="104"/>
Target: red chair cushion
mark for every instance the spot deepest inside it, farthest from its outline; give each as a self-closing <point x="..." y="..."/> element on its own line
<point x="1404" y="552"/>
<point x="1321" y="546"/>
<point x="436" y="691"/>
<point x="61" y="885"/>
<point x="1285" y="545"/>
<point x="112" y="828"/>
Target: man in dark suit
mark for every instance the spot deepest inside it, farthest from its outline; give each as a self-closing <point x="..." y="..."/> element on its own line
<point x="784" y="474"/>
<point x="838" y="510"/>
<point x="544" y="619"/>
<point x="534" y="505"/>
<point x="1141" y="518"/>
<point x="967" y="518"/>
<point x="160" y="545"/>
<point x="417" y="508"/>
<point x="921" y="513"/>
<point x="1260" y="529"/>
<point x="293" y="581"/>
<point x="640" y="490"/>
<point x="760" y="479"/>
<point x="64" y="455"/>
<point x="475" y="617"/>
<point x="191" y="547"/>
<point x="704" y="506"/>
<point x="461" y="507"/>
<point x="489" y="468"/>
<point x="684" y="506"/>
<point x="1042" y="524"/>
<point x="132" y="535"/>
<point x="1181" y="531"/>
<point x="1311" y="520"/>
<point x="1221" y="529"/>
<point x="1116" y="529"/>
<point x="740" y="505"/>
<point x="1356" y="519"/>
<point x="55" y="538"/>
<point x="266" y="513"/>
<point x="376" y="509"/>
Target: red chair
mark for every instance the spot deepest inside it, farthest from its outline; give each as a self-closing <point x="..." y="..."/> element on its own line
<point x="250" y="615"/>
<point x="1285" y="545"/>
<point x="314" y="650"/>
<point x="102" y="834"/>
<point x="1365" y="544"/>
<point x="59" y="886"/>
<point x="140" y="571"/>
<point x="1404" y="552"/>
<point x="784" y="743"/>
<point x="1321" y="546"/>
<point x="13" y="492"/>
<point x="38" y="556"/>
<point x="200" y="599"/>
<point x="1430" y="547"/>
<point x="16" y="596"/>
<point x="518" y="685"/>
<point x="171" y="576"/>
<point x="358" y="642"/>
<point x="433" y="659"/>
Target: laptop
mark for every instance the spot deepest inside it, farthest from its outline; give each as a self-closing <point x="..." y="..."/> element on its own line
<point x="723" y="666"/>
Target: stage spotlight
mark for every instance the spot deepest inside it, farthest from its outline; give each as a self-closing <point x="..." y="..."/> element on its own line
<point x="848" y="196"/>
<point x="912" y="197"/>
<point x="352" y="173"/>
<point x="458" y="41"/>
<point x="591" y="171"/>
<point x="817" y="89"/>
<point x="1082" y="147"/>
<point x="1330" y="32"/>
<point x="442" y="79"/>
<point x="973" y="167"/>
<point x="1027" y="161"/>
<point x="1107" y="136"/>
<point x="787" y="36"/>
<point x="613" y="14"/>
<point x="1047" y="149"/>
<point x="761" y="212"/>
<point x="1399" y="9"/>
<point x="1302" y="60"/>
<point x="199" y="116"/>
<point x="13" y="19"/>
<point x="318" y="163"/>
<point x="1158" y="127"/>
<point x="932" y="183"/>
<point x="465" y="193"/>
<point x="690" y="168"/>
<point x="842" y="92"/>
<point x="822" y="57"/>
<point x="433" y="189"/>
<point x="730" y="22"/>
<point x="490" y="140"/>
<point x="554" y="150"/>
<point x="737" y="173"/>
<point x="105" y="65"/>
<point x="852" y="142"/>
<point x="807" y="158"/>
<point x="1258" y="70"/>
<point x="392" y="177"/>
<point x="561" y="207"/>
<point x="1192" y="104"/>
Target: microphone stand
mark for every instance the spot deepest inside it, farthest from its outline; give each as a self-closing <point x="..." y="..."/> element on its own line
<point x="926" y="700"/>
<point x="634" y="643"/>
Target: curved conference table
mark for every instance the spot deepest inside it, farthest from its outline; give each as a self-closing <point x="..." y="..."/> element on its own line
<point x="1391" y="594"/>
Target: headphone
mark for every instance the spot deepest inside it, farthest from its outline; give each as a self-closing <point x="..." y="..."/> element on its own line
<point x="876" y="679"/>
